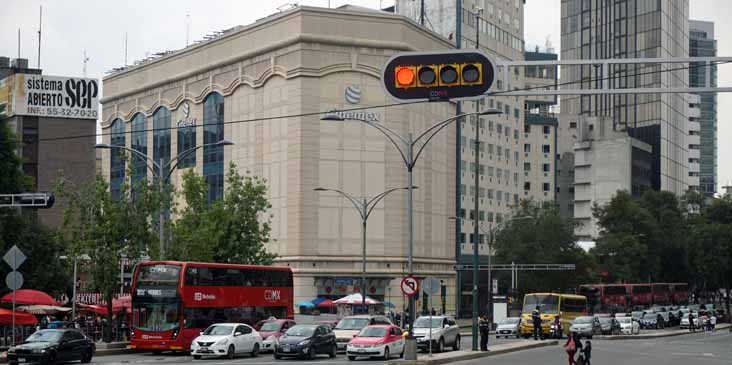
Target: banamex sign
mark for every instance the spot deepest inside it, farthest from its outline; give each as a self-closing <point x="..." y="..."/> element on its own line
<point x="56" y="97"/>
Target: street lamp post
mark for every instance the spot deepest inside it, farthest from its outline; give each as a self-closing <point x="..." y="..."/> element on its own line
<point x="169" y="167"/>
<point x="406" y="147"/>
<point x="73" y="290"/>
<point x="364" y="208"/>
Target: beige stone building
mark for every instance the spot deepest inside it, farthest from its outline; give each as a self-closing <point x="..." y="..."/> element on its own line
<point x="263" y="86"/>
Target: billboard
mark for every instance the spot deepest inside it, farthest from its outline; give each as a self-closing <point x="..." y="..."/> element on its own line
<point x="52" y="96"/>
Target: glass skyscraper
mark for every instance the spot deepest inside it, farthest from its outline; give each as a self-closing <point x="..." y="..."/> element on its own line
<point x="613" y="29"/>
<point x="703" y="44"/>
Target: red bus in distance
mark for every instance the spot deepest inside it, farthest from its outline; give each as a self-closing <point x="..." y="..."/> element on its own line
<point x="661" y="293"/>
<point x="679" y="293"/>
<point x="172" y="301"/>
<point x="641" y="294"/>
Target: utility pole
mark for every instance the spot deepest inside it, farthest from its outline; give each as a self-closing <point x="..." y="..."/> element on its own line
<point x="476" y="224"/>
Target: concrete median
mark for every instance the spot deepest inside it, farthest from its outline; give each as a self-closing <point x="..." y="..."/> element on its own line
<point x="455" y="356"/>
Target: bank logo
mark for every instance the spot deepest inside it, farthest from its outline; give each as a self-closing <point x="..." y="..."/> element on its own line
<point x="353" y="94"/>
<point x="186" y="122"/>
<point x="186" y="110"/>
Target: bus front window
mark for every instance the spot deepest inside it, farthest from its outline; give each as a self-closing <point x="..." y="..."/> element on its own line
<point x="546" y="303"/>
<point x="156" y="317"/>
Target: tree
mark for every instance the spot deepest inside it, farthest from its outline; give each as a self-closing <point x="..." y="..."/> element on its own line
<point x="541" y="236"/>
<point x="42" y="270"/>
<point x="108" y="230"/>
<point x="620" y="255"/>
<point x="232" y="230"/>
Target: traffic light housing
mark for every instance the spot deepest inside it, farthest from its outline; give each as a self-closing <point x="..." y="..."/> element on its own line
<point x="438" y="75"/>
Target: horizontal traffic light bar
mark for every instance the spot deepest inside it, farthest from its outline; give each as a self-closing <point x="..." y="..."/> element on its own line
<point x="441" y="75"/>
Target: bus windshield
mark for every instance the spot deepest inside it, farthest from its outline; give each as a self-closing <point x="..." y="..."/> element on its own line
<point x="546" y="303"/>
<point x="156" y="316"/>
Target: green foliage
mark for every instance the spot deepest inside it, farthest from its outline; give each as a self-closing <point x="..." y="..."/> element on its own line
<point x="107" y="230"/>
<point x="13" y="179"/>
<point x="232" y="230"/>
<point x="42" y="270"/>
<point x="537" y="234"/>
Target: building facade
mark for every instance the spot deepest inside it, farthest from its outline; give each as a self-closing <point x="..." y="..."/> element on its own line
<point x="604" y="29"/>
<point x="264" y="87"/>
<point x="40" y="108"/>
<point x="703" y="44"/>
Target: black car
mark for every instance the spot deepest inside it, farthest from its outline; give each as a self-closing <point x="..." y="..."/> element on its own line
<point x="52" y="346"/>
<point x="306" y="341"/>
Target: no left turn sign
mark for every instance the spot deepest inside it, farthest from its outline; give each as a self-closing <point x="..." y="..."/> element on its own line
<point x="410" y="286"/>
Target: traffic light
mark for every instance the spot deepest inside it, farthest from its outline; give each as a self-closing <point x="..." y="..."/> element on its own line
<point x="438" y="75"/>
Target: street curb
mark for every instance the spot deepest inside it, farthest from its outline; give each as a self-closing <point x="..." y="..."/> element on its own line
<point x="473" y="355"/>
<point x="655" y="335"/>
<point x="98" y="353"/>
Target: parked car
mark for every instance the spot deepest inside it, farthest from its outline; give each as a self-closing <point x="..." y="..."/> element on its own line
<point x="651" y="320"/>
<point x="628" y="325"/>
<point x="509" y="327"/>
<point x="271" y="330"/>
<point x="609" y="326"/>
<point x="331" y="323"/>
<point x="306" y="341"/>
<point x="636" y="315"/>
<point x="685" y="320"/>
<point x="585" y="326"/>
<point x="51" y="346"/>
<point x="227" y="339"/>
<point x="349" y="326"/>
<point x="437" y="332"/>
<point x="381" y="341"/>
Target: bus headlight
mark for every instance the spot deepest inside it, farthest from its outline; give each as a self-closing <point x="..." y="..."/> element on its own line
<point x="175" y="334"/>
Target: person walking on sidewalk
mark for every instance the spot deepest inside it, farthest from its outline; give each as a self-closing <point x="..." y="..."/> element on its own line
<point x="572" y="345"/>
<point x="485" y="329"/>
<point x="691" y="322"/>
<point x="587" y="352"/>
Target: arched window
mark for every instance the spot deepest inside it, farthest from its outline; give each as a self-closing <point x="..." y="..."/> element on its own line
<point x="186" y="138"/>
<point x="161" y="137"/>
<point x="116" y="161"/>
<point x="213" y="156"/>
<point x="139" y="143"/>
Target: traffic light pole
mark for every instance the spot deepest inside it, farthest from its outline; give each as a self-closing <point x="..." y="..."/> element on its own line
<point x="476" y="215"/>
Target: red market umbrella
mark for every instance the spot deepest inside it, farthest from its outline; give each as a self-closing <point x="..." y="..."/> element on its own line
<point x="21" y="318"/>
<point x="93" y="308"/>
<point x="326" y="303"/>
<point x="122" y="304"/>
<point x="29" y="297"/>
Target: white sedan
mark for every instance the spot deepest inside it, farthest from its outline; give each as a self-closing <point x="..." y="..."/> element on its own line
<point x="227" y="339"/>
<point x="628" y="326"/>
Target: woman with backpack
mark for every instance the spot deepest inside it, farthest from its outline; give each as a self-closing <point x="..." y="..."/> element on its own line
<point x="572" y="345"/>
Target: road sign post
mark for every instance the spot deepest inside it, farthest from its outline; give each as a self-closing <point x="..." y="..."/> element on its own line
<point x="430" y="286"/>
<point x="14" y="258"/>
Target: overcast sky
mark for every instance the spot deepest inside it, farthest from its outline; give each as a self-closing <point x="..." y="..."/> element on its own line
<point x="99" y="27"/>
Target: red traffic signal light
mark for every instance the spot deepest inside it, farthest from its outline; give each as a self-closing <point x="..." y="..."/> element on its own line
<point x="439" y="75"/>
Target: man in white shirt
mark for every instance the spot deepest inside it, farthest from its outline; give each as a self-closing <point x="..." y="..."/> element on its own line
<point x="713" y="321"/>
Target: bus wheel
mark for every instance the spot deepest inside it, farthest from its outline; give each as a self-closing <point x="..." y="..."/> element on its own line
<point x="231" y="353"/>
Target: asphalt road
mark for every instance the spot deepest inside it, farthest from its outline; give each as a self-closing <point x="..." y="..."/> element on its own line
<point x="169" y="359"/>
<point x="698" y="349"/>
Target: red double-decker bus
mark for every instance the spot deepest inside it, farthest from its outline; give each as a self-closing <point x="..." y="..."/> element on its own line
<point x="661" y="293"/>
<point x="616" y="296"/>
<point x="641" y="294"/>
<point x="593" y="292"/>
<point x="679" y="293"/>
<point x="172" y="302"/>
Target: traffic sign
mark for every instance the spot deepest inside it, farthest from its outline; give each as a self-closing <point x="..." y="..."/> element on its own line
<point x="409" y="286"/>
<point x="431" y="285"/>
<point x="14" y="257"/>
<point x="438" y="75"/>
<point x="14" y="280"/>
<point x="494" y="286"/>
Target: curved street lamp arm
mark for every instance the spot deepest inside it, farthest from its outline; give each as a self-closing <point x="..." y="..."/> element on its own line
<point x="390" y="134"/>
<point x="440" y="126"/>
<point x="354" y="201"/>
<point x="178" y="158"/>
<point x="140" y="155"/>
<point x="375" y="200"/>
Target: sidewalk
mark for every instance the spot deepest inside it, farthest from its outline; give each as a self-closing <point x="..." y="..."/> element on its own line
<point x="455" y="356"/>
<point x="658" y="334"/>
